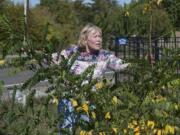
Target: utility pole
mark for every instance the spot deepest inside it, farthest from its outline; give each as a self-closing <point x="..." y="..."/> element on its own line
<point x="26" y="11"/>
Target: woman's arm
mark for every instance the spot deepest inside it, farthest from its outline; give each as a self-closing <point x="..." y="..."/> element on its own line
<point x="55" y="58"/>
<point x="116" y="64"/>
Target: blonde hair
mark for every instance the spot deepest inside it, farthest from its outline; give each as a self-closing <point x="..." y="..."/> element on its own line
<point x="85" y="32"/>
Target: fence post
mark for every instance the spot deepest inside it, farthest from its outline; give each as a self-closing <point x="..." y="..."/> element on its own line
<point x="138" y="48"/>
<point x="156" y="49"/>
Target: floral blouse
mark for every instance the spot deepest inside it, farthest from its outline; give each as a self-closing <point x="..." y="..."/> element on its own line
<point x="103" y="60"/>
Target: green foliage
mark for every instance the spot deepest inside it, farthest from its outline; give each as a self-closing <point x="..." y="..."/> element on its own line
<point x="4" y="4"/>
<point x="139" y="20"/>
<point x="25" y="120"/>
<point x="147" y="102"/>
<point x="66" y="18"/>
<point x="151" y="94"/>
<point x="10" y="41"/>
<point x="172" y="7"/>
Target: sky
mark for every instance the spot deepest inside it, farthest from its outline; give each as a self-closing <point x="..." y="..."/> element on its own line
<point x="34" y="2"/>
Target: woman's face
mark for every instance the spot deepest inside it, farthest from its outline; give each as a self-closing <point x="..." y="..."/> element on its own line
<point x="94" y="41"/>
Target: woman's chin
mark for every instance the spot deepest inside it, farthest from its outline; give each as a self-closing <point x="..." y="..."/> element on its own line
<point x="94" y="49"/>
<point x="98" y="48"/>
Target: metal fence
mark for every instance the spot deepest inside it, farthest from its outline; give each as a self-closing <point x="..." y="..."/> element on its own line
<point x="137" y="47"/>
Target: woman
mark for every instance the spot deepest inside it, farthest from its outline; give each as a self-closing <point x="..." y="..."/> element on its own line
<point x="90" y="53"/>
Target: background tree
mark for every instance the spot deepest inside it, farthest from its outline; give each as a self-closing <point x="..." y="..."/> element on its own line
<point x="65" y="18"/>
<point x="11" y="22"/>
<point x="140" y="20"/>
<point x="107" y="15"/>
<point x="172" y="7"/>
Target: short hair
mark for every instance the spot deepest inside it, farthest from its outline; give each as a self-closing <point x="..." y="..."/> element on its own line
<point x="85" y="32"/>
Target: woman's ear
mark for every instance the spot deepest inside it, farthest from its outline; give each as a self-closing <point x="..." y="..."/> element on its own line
<point x="85" y="42"/>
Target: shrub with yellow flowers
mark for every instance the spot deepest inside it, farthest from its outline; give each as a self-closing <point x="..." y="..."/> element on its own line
<point x="147" y="103"/>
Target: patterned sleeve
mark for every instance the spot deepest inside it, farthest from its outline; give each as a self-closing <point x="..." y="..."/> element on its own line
<point x="55" y="58"/>
<point x="116" y="64"/>
<point x="66" y="53"/>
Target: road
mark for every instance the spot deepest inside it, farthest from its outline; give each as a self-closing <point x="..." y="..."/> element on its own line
<point x="11" y="79"/>
<point x="17" y="79"/>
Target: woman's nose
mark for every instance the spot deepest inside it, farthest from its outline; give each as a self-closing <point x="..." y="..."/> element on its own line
<point x="99" y="39"/>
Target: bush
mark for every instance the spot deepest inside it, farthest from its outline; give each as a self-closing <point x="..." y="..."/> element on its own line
<point x="147" y="103"/>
